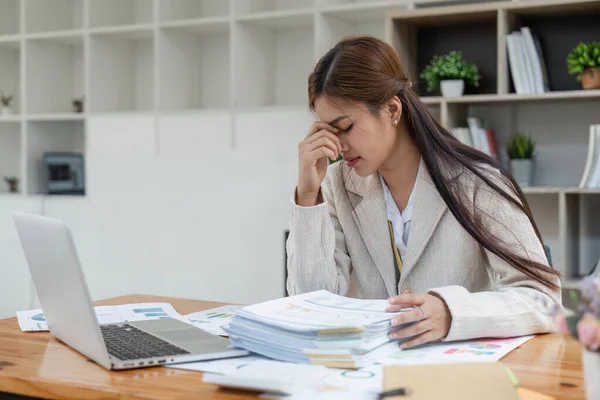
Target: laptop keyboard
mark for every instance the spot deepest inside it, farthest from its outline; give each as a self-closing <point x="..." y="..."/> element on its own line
<point x="129" y="343"/>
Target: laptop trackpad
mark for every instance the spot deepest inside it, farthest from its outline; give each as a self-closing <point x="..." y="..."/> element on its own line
<point x="185" y="336"/>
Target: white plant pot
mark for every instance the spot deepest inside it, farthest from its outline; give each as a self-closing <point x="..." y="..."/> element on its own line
<point x="452" y="87"/>
<point x="522" y="171"/>
<point x="5" y="111"/>
<point x="591" y="373"/>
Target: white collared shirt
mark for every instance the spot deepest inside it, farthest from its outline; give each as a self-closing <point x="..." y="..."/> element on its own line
<point x="400" y="220"/>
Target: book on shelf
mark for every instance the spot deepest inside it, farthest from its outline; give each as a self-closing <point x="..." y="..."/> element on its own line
<point x="526" y="62"/>
<point x="477" y="136"/>
<point x="591" y="172"/>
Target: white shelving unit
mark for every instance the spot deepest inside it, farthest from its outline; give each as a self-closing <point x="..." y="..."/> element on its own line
<point x="10" y="77"/>
<point x="53" y="15"/>
<point x="122" y="56"/>
<point x="10" y="151"/>
<point x="54" y="73"/>
<point x="10" y="17"/>
<point x="194" y="65"/>
<point x="50" y="136"/>
<point x="177" y="10"/>
<point x="278" y="50"/>
<point x="107" y="13"/>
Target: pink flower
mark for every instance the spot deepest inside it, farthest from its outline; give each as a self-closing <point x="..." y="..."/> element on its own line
<point x="561" y="323"/>
<point x="588" y="330"/>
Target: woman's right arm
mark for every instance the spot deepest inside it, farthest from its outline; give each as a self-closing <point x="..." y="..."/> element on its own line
<point x="317" y="257"/>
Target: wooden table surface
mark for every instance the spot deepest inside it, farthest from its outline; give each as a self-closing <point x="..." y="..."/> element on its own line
<point x="35" y="364"/>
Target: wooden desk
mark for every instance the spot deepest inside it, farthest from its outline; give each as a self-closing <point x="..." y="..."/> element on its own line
<point x="37" y="365"/>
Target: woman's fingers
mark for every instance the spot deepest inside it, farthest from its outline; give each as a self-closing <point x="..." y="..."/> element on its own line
<point x="408" y="299"/>
<point x="413" y="315"/>
<point x="323" y="152"/>
<point x="423" y="338"/>
<point x="412" y="330"/>
<point x="318" y="126"/>
<point x="323" y="142"/>
<point x="327" y="134"/>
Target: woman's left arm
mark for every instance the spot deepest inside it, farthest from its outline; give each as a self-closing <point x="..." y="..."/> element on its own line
<point x="519" y="306"/>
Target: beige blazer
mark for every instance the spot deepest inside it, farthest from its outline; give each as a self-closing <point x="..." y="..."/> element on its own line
<point x="347" y="235"/>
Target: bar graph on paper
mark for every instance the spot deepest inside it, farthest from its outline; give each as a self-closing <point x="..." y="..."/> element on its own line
<point x="35" y="320"/>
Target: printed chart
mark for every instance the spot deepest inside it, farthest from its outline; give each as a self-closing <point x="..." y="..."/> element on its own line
<point x="35" y="320"/>
<point x="476" y="351"/>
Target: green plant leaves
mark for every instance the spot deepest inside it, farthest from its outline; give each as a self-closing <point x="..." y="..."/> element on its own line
<point x="583" y="56"/>
<point x="450" y="66"/>
<point x="520" y="147"/>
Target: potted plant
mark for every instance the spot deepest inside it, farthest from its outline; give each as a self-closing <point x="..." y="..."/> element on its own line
<point x="450" y="72"/>
<point x="5" y="104"/>
<point x="521" y="149"/>
<point x="78" y="105"/>
<point x="584" y="325"/>
<point x="584" y="60"/>
<point x="12" y="182"/>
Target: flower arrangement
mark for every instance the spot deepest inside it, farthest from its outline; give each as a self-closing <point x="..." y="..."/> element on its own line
<point x="450" y="66"/>
<point x="585" y="325"/>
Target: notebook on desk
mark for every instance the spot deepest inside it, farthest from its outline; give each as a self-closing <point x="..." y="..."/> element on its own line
<point x="468" y="381"/>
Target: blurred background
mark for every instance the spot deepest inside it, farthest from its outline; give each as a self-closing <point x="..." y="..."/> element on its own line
<point x="165" y="132"/>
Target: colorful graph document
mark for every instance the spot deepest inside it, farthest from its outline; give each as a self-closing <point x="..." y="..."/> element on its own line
<point x="213" y="320"/>
<point x="484" y="350"/>
<point x="34" y="320"/>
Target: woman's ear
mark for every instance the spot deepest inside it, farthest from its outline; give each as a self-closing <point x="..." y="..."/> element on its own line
<point x="394" y="106"/>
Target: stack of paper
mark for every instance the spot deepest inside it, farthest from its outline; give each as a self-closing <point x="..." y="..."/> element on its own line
<point x="320" y="328"/>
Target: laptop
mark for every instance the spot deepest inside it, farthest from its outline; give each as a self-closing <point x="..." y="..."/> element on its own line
<point x="63" y="293"/>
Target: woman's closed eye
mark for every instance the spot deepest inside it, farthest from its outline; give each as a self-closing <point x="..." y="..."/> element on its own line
<point x="348" y="129"/>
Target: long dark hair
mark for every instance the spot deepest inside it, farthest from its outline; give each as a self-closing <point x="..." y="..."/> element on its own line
<point x="367" y="70"/>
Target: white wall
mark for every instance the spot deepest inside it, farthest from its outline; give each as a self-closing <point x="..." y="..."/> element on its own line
<point x="181" y="213"/>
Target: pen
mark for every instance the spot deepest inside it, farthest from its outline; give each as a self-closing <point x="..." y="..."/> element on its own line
<point x="396" y="392"/>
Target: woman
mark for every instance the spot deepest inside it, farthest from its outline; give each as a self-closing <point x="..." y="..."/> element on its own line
<point x="410" y="210"/>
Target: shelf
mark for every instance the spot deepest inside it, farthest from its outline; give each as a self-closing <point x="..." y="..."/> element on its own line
<point x="559" y="32"/>
<point x="564" y="95"/>
<point x="352" y="19"/>
<point x="12" y="118"/>
<point x="10" y="77"/>
<point x="556" y="190"/>
<point x="174" y="10"/>
<point x="67" y="37"/>
<point x="45" y="136"/>
<point x="10" y="152"/>
<point x="56" y="117"/>
<point x="199" y="26"/>
<point x="141" y="31"/>
<point x="120" y="12"/>
<point x="10" y="38"/>
<point x="10" y="17"/>
<point x="120" y="78"/>
<point x="363" y="11"/>
<point x="53" y="15"/>
<point x="278" y="77"/>
<point x="195" y="67"/>
<point x="279" y="19"/>
<point x="55" y="73"/>
<point x="246" y="7"/>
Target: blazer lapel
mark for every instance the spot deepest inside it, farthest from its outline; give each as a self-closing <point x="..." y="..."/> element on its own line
<point x="366" y="196"/>
<point x="429" y="207"/>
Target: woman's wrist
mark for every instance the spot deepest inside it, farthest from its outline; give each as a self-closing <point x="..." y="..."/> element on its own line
<point x="308" y="199"/>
